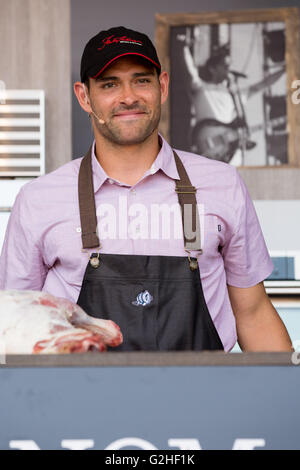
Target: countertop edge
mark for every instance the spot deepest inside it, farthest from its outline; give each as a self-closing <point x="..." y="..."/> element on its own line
<point x="152" y="359"/>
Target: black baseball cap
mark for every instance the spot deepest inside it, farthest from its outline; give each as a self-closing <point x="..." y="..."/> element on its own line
<point x="108" y="46"/>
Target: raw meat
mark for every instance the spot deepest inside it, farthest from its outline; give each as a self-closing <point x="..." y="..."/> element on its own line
<point x="38" y="322"/>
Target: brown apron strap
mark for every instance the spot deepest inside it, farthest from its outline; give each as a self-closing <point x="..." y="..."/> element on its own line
<point x="88" y="215"/>
<point x="186" y="197"/>
<point x="190" y="216"/>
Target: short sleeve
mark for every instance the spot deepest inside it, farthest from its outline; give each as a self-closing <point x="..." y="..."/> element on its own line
<point x="21" y="262"/>
<point x="246" y="258"/>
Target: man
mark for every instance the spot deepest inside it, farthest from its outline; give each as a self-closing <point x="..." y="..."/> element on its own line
<point x="82" y="232"/>
<point x="216" y="96"/>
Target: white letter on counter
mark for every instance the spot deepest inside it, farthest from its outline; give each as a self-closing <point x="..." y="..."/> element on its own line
<point x="185" y="444"/>
<point x="248" y="444"/>
<point x="23" y="445"/>
<point x="130" y="441"/>
<point x="77" y="444"/>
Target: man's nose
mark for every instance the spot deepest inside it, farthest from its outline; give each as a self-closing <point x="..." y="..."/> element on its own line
<point x="128" y="95"/>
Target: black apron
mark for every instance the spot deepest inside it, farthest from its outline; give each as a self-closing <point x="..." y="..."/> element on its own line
<point x="157" y="301"/>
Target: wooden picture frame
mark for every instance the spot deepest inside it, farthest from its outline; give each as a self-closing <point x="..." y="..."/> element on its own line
<point x="290" y="18"/>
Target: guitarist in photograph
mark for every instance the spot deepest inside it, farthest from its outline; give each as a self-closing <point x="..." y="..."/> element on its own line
<point x="221" y="131"/>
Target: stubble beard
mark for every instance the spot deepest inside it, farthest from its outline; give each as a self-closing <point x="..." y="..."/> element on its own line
<point x="116" y="133"/>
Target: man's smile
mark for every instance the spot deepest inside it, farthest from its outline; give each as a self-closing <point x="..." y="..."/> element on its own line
<point x="129" y="115"/>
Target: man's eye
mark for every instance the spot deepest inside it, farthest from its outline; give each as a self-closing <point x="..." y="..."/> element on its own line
<point x="143" y="80"/>
<point x="108" y="85"/>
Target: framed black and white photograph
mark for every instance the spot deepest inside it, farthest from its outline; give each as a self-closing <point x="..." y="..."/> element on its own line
<point x="231" y="83"/>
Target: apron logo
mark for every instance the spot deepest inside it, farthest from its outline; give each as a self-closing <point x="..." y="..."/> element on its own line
<point x="144" y="298"/>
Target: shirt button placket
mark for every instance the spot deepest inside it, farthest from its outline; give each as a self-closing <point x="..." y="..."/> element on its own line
<point x="132" y="233"/>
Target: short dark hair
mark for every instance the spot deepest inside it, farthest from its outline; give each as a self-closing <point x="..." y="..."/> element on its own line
<point x="217" y="57"/>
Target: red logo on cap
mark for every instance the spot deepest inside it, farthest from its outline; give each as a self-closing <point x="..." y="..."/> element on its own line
<point x="121" y="39"/>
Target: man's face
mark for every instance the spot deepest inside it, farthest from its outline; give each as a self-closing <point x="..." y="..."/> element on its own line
<point x="220" y="71"/>
<point x="128" y="97"/>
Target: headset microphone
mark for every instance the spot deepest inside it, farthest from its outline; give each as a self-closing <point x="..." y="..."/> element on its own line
<point x="86" y="100"/>
<point x="98" y="119"/>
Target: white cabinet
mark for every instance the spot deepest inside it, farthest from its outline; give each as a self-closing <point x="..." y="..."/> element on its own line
<point x="22" y="145"/>
<point x="9" y="189"/>
<point x="22" y="133"/>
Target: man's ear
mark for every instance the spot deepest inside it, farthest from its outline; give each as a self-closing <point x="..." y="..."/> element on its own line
<point x="82" y="96"/>
<point x="164" y="86"/>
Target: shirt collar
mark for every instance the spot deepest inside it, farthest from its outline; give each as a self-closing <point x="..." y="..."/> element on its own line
<point x="164" y="161"/>
<point x="99" y="175"/>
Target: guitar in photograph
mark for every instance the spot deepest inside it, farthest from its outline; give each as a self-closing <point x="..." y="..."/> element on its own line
<point x="215" y="139"/>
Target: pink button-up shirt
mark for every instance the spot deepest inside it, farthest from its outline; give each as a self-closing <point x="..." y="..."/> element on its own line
<point x="42" y="246"/>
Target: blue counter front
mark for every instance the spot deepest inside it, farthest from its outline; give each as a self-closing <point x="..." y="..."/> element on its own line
<point x="150" y="401"/>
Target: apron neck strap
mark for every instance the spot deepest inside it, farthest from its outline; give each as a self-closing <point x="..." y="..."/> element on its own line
<point x="186" y="193"/>
<point x="87" y="207"/>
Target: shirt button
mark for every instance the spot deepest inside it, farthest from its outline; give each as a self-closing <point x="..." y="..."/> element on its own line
<point x="152" y="170"/>
<point x="133" y="192"/>
<point x="78" y="230"/>
<point x="110" y="181"/>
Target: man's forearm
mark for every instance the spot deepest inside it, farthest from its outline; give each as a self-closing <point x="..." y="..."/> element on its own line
<point x="263" y="330"/>
<point x="266" y="82"/>
<point x="191" y="68"/>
